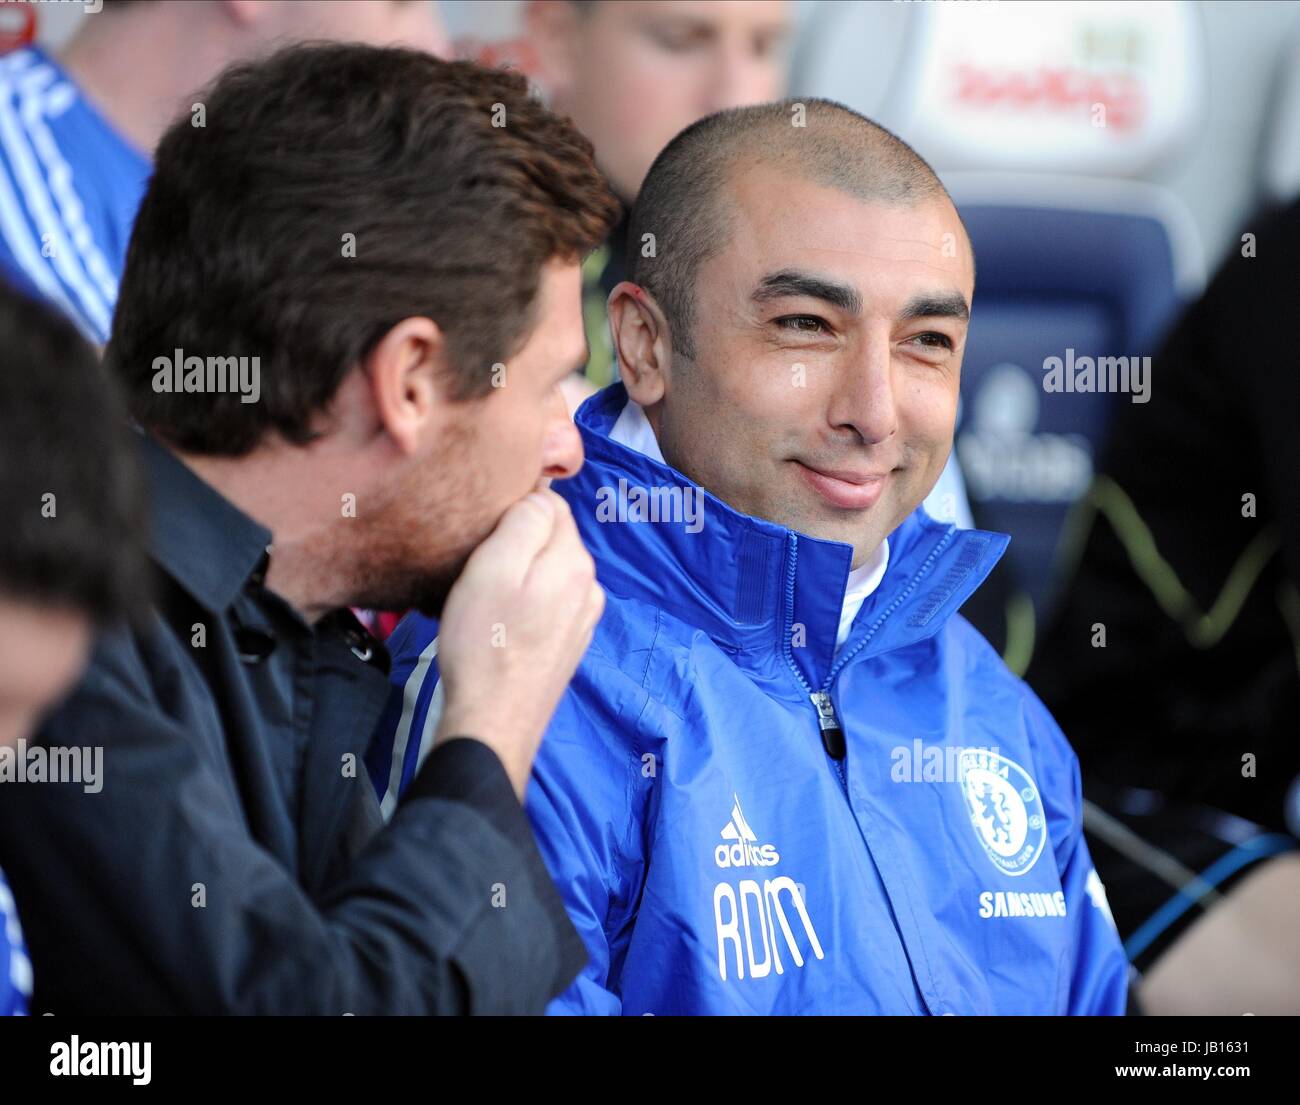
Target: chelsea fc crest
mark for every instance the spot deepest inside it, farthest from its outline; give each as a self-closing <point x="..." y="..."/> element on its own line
<point x="1004" y="808"/>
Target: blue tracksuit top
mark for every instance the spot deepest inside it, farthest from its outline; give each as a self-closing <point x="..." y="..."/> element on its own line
<point x="743" y="820"/>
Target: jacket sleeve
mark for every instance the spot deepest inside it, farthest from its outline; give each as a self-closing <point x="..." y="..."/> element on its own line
<point x="28" y="266"/>
<point x="588" y="806"/>
<point x="152" y="894"/>
<point x="1100" y="969"/>
<point x="403" y="737"/>
<point x="587" y="798"/>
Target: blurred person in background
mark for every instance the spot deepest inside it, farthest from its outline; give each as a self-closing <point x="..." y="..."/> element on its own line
<point x="77" y="130"/>
<point x="70" y="547"/>
<point x="633" y="73"/>
<point x="1174" y="662"/>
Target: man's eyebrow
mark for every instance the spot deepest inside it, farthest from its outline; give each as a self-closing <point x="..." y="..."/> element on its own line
<point x="943" y="305"/>
<point x="788" y="282"/>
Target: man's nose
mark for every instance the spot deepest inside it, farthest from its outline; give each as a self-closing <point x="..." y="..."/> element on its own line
<point x="562" y="454"/>
<point x="863" y="399"/>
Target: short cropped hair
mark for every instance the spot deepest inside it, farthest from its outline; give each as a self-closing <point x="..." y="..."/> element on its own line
<point x="682" y="201"/>
<point x="330" y="192"/>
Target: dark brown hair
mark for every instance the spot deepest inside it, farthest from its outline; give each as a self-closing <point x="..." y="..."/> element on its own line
<point x="330" y="192"/>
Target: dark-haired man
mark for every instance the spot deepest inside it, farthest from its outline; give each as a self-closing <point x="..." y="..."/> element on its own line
<point x="347" y="307"/>
<point x="68" y="560"/>
<point x="841" y="801"/>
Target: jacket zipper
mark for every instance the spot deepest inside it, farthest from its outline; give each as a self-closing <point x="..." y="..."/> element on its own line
<point x="828" y="724"/>
<point x="832" y="733"/>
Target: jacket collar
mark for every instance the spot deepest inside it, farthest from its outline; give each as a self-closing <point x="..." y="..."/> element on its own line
<point x="203" y="541"/>
<point x="752" y="585"/>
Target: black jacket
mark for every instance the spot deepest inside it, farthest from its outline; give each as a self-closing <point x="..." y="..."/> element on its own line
<point x="1185" y="714"/>
<point x="1199" y="595"/>
<point x="234" y="860"/>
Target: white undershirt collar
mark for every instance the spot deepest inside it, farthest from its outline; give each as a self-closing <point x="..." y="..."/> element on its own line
<point x="633" y="430"/>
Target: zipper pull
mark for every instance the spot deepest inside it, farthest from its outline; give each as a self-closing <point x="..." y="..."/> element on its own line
<point x="832" y="734"/>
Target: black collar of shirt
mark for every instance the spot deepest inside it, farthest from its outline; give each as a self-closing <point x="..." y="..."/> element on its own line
<point x="202" y="540"/>
<point x="214" y="551"/>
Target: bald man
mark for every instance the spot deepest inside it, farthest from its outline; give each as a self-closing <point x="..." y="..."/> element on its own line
<point x="788" y="776"/>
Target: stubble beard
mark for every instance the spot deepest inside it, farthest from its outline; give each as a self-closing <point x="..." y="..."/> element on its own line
<point x="424" y="532"/>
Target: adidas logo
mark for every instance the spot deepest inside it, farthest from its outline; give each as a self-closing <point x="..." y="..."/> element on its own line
<point x="744" y="849"/>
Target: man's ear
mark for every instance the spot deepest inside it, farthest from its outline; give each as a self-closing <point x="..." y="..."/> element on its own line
<point x="642" y="342"/>
<point x="408" y="382"/>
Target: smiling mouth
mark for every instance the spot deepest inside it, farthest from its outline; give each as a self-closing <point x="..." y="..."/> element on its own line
<point x="844" y="489"/>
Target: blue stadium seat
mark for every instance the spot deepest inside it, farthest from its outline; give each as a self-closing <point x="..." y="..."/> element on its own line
<point x="1100" y="277"/>
<point x="1044" y="121"/>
